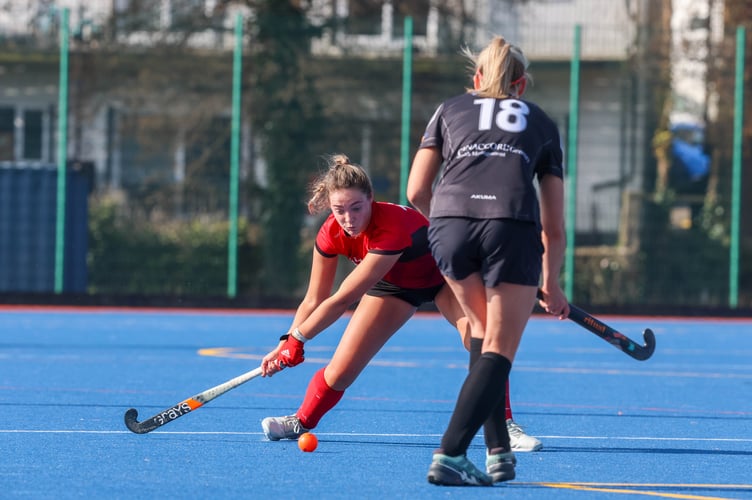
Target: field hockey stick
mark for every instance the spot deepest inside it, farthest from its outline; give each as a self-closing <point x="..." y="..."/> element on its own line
<point x="613" y="337"/>
<point x="185" y="406"/>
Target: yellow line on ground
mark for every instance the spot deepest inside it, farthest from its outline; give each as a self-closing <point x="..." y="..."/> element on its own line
<point x="237" y="353"/>
<point x="667" y="485"/>
<point x="634" y="488"/>
<point x="231" y="352"/>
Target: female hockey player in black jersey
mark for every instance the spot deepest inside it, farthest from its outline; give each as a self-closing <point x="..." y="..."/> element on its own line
<point x="492" y="239"/>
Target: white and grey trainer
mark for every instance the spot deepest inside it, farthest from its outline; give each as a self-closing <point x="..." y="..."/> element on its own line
<point x="276" y="428"/>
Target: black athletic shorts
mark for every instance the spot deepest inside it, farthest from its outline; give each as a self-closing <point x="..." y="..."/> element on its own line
<point x="414" y="296"/>
<point x="501" y="250"/>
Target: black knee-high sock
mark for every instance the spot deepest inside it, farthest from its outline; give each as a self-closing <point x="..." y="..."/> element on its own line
<point x="482" y="391"/>
<point x="495" y="428"/>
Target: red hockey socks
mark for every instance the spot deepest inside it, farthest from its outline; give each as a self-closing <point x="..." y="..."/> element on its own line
<point x="508" y="404"/>
<point x="319" y="399"/>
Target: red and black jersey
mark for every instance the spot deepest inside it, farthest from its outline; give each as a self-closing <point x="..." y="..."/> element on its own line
<point x="393" y="229"/>
<point x="493" y="149"/>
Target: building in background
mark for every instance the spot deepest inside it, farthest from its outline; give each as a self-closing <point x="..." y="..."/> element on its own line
<point x="612" y="133"/>
<point x="613" y="141"/>
<point x="610" y="110"/>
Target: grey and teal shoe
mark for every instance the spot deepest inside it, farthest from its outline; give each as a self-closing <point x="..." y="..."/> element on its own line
<point x="500" y="466"/>
<point x="456" y="471"/>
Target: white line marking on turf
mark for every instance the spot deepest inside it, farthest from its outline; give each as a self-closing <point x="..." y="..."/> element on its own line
<point x="370" y="434"/>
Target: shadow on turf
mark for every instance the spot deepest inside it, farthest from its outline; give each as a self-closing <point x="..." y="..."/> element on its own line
<point x="643" y="451"/>
<point x="634" y="414"/>
<point x="552" y="449"/>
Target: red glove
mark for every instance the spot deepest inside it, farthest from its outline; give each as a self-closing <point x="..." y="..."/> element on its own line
<point x="292" y="352"/>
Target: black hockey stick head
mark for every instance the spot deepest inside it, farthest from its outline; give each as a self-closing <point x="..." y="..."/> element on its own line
<point x="613" y="337"/>
<point x="134" y="425"/>
<point x="644" y="352"/>
<point x="618" y="339"/>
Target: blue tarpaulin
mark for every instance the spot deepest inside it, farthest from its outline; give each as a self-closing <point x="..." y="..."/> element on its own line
<point x="28" y="205"/>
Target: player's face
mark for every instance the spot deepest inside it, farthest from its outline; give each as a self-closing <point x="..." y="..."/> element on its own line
<point x="351" y="209"/>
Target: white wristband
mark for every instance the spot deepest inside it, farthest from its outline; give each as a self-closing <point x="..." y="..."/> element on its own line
<point x="299" y="336"/>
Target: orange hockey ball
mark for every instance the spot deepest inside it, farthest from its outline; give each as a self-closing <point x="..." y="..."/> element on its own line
<point x="308" y="442"/>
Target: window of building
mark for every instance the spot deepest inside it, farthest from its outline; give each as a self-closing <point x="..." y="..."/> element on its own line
<point x="7" y="134"/>
<point x="146" y="152"/>
<point x="418" y="10"/>
<point x="363" y="17"/>
<point x="187" y="15"/>
<point x="151" y="15"/>
<point x="137" y="15"/>
<point x="23" y="134"/>
<point x="33" y="131"/>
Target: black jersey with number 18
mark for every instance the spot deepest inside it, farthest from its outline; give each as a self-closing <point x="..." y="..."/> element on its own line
<point x="493" y="149"/>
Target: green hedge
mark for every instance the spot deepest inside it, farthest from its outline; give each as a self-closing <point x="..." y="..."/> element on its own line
<point x="131" y="254"/>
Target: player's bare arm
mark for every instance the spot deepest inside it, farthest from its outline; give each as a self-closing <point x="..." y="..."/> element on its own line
<point x="424" y="169"/>
<point x="358" y="282"/>
<point x="320" y="283"/>
<point x="554" y="242"/>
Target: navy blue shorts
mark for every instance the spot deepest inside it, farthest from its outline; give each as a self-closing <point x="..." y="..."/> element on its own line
<point x="501" y="250"/>
<point x="414" y="296"/>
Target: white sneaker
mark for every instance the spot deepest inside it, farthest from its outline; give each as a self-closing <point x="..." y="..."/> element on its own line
<point x="519" y="441"/>
<point x="276" y="428"/>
